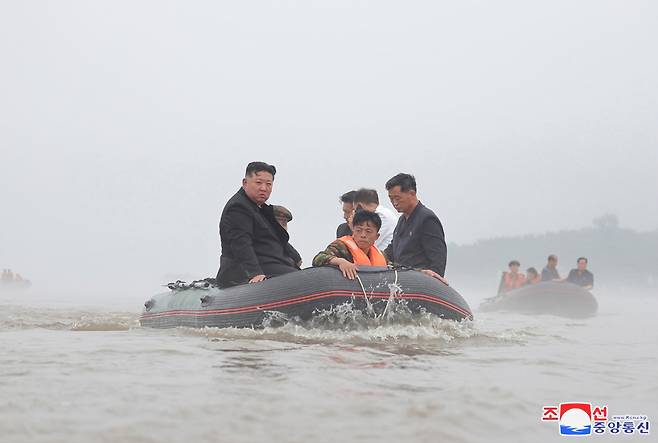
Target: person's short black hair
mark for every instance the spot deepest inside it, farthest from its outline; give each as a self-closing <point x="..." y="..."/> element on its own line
<point x="362" y="216"/>
<point x="532" y="270"/>
<point x="348" y="197"/>
<point x="366" y="196"/>
<point x="514" y="262"/>
<point x="582" y="258"/>
<point x="552" y="257"/>
<point x="254" y="167"/>
<point x="406" y="182"/>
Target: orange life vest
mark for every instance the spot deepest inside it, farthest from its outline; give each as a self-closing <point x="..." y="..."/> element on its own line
<point x="374" y="257"/>
<point x="510" y="282"/>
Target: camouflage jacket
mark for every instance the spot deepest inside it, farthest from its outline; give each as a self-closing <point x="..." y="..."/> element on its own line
<point x="336" y="249"/>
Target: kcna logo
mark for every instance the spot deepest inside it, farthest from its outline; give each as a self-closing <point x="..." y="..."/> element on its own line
<point x="583" y="419"/>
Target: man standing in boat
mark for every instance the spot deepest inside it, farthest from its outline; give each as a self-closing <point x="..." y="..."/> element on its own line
<point x="347" y="201"/>
<point x="368" y="199"/>
<point x="549" y="273"/>
<point x="581" y="276"/>
<point x="254" y="245"/>
<point x="418" y="240"/>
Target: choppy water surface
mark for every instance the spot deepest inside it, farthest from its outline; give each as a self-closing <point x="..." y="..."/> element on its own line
<point x="72" y="374"/>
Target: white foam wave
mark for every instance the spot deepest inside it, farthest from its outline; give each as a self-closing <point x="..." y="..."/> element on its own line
<point x="344" y="324"/>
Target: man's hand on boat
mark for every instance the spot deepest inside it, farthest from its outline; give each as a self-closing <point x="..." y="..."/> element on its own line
<point x="257" y="278"/>
<point x="435" y="275"/>
<point x="346" y="267"/>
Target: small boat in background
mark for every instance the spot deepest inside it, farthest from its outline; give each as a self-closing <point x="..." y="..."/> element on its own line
<point x="11" y="281"/>
<point x="557" y="298"/>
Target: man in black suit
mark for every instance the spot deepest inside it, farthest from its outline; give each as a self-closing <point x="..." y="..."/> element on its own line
<point x="418" y="240"/>
<point x="254" y="245"/>
<point x="581" y="276"/>
<point x="347" y="201"/>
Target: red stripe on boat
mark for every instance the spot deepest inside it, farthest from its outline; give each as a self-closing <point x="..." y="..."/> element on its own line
<point x="301" y="299"/>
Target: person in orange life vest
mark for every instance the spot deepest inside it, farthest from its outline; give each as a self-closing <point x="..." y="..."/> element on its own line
<point x="512" y="279"/>
<point x="351" y="251"/>
<point x="532" y="277"/>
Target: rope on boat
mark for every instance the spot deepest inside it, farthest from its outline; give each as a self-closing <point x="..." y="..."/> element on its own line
<point x="365" y="295"/>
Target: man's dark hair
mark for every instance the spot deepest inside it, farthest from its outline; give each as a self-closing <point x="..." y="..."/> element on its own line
<point x="367" y="196"/>
<point x="348" y="197"/>
<point x="255" y="167"/>
<point x="532" y="271"/>
<point x="362" y="216"/>
<point x="406" y="182"/>
<point x="552" y="257"/>
<point x="582" y="258"/>
<point x="514" y="262"/>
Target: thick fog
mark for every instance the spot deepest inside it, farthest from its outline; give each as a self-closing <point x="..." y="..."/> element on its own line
<point x="126" y="125"/>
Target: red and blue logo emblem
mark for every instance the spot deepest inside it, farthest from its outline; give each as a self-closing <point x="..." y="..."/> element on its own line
<point x="578" y="418"/>
<point x="575" y="418"/>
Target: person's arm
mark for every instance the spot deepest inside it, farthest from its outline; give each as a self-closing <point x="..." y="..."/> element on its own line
<point x="569" y="278"/>
<point x="239" y="230"/>
<point x="561" y="279"/>
<point x="337" y="255"/>
<point x="434" y="245"/>
<point x="335" y="249"/>
<point x="292" y="253"/>
<point x="388" y="252"/>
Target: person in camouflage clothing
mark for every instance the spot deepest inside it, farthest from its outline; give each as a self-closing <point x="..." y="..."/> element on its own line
<point x="348" y="252"/>
<point x="335" y="249"/>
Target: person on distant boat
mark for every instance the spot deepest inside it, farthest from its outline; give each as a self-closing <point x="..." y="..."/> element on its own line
<point x="368" y="199"/>
<point x="513" y="279"/>
<point x="254" y="245"/>
<point x="351" y="251"/>
<point x="7" y="276"/>
<point x="418" y="239"/>
<point x="284" y="216"/>
<point x="532" y="277"/>
<point x="347" y="200"/>
<point x="549" y="273"/>
<point x="581" y="276"/>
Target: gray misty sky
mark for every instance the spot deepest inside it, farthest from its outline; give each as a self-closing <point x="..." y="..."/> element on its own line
<point x="126" y="125"/>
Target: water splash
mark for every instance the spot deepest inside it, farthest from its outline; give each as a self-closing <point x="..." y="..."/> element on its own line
<point x="396" y="327"/>
<point x="109" y="322"/>
<point x="22" y="317"/>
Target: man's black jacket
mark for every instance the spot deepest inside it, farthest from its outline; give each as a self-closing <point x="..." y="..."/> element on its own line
<point x="418" y="241"/>
<point x="584" y="278"/>
<point x="343" y="230"/>
<point x="253" y="242"/>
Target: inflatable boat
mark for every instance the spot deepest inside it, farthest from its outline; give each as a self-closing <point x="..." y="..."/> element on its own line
<point x="556" y="298"/>
<point x="301" y="295"/>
